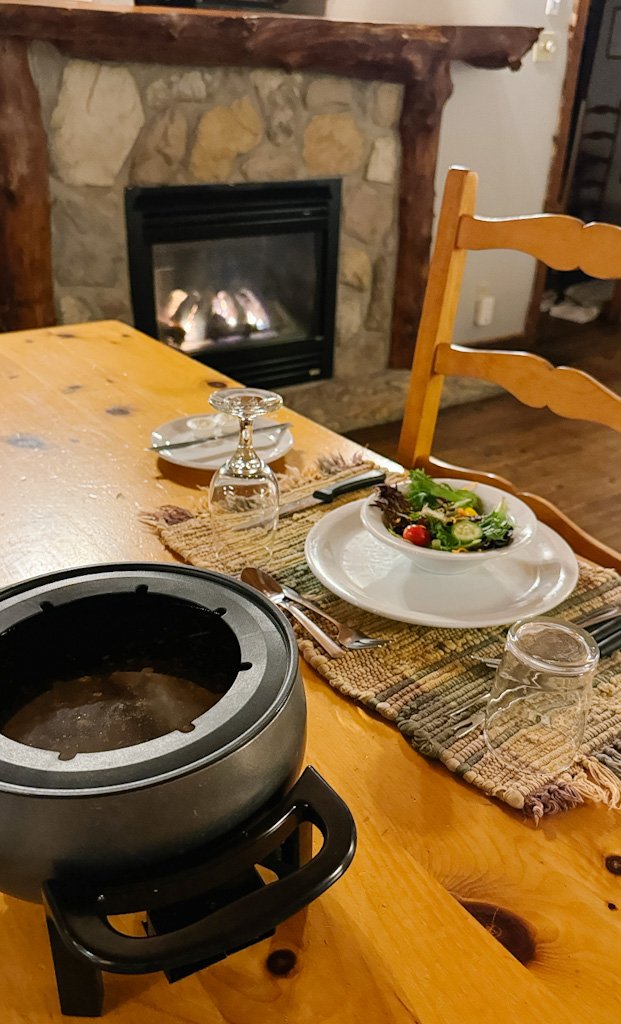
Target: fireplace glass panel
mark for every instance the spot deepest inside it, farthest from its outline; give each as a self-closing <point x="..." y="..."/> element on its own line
<point x="217" y="292"/>
<point x="240" y="277"/>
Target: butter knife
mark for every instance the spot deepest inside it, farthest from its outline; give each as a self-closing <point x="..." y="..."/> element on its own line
<point x="172" y="445"/>
<point x="325" y="495"/>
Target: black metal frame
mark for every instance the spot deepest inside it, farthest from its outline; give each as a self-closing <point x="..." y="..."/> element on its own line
<point x="203" y="908"/>
<point x="196" y="212"/>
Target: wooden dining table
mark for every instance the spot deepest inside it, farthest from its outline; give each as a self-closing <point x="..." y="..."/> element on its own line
<point x="455" y="910"/>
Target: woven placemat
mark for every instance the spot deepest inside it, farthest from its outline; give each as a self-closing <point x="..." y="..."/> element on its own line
<point x="423" y="674"/>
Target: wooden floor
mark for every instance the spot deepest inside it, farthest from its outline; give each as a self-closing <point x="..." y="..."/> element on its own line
<point x="576" y="465"/>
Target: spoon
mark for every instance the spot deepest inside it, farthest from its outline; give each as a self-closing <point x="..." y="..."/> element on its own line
<point x="271" y="588"/>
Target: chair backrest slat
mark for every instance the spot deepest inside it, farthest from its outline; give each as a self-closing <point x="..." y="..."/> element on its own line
<point x="535" y="382"/>
<point x="563" y="243"/>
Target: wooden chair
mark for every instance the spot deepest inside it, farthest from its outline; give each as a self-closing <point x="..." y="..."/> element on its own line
<point x="561" y="242"/>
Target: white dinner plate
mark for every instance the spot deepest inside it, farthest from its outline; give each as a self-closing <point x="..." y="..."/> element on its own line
<point x="270" y="446"/>
<point x="351" y="563"/>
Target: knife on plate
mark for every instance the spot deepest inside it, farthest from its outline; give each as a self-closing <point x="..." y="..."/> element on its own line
<point x="170" y="446"/>
<point x="325" y="495"/>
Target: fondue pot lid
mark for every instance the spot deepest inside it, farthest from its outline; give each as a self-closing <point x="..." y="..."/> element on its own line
<point x="127" y="616"/>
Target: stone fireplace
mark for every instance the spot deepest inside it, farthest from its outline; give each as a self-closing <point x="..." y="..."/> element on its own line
<point x="140" y="99"/>
<point x="234" y="126"/>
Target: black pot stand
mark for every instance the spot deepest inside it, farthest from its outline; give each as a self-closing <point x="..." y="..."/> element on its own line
<point x="200" y="910"/>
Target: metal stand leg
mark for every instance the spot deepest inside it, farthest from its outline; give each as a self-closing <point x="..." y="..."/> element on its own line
<point x="298" y="848"/>
<point x="79" y="984"/>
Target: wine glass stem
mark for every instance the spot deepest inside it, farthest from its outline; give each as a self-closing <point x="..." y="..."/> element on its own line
<point x="245" y="437"/>
<point x="244" y="461"/>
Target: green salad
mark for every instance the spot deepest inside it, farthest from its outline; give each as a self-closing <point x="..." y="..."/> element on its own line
<point x="432" y="514"/>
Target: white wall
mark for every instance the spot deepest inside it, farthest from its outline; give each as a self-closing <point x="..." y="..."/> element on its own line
<point x="499" y="123"/>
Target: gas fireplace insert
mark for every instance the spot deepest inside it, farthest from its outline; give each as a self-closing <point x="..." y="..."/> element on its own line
<point x="241" y="277"/>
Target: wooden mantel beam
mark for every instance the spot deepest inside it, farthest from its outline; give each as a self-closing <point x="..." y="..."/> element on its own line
<point x="238" y="38"/>
<point x="415" y="55"/>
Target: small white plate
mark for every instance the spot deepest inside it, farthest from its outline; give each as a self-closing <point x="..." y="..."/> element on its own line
<point x="351" y="563"/>
<point x="270" y="446"/>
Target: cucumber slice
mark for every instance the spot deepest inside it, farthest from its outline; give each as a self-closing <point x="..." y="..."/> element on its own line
<point x="466" y="532"/>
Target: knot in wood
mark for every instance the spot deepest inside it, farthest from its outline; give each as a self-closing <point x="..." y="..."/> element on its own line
<point x="506" y="927"/>
<point x="281" y="962"/>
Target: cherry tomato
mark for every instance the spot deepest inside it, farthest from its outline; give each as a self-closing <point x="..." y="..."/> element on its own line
<point x="417" y="534"/>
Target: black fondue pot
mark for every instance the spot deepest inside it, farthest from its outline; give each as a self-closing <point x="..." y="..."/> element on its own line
<point x="170" y="780"/>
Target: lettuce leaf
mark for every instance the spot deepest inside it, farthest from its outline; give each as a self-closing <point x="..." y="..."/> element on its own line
<point x="396" y="511"/>
<point x="422" y="490"/>
<point x="497" y="527"/>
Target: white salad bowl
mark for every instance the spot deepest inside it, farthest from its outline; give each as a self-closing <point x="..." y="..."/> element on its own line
<point x="448" y="562"/>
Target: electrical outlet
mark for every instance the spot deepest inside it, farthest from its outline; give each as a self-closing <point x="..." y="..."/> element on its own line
<point x="546" y="48"/>
<point x="484" y="306"/>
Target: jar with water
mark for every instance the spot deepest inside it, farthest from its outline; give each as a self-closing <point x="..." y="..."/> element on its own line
<point x="540" y="698"/>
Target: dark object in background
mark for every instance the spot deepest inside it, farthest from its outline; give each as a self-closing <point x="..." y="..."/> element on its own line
<point x="232" y="5"/>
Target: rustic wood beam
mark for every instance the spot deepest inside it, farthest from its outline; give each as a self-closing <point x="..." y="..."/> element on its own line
<point x="420" y="131"/>
<point x="237" y="38"/>
<point x="415" y="55"/>
<point x="26" y="297"/>
<point x="492" y="47"/>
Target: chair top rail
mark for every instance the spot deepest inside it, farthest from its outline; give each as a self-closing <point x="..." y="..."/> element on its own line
<point x="559" y="241"/>
<point x="535" y="382"/>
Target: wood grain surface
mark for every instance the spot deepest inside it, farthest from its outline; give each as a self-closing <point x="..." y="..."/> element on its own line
<point x="559" y="241"/>
<point x="535" y="382"/>
<point x="391" y="942"/>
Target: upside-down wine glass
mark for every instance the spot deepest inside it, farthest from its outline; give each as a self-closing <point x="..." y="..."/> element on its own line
<point x="243" y="495"/>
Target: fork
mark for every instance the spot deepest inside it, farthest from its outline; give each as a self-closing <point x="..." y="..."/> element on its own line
<point x="466" y="725"/>
<point x="349" y="637"/>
